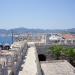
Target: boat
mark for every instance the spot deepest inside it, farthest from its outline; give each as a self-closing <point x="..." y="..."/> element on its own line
<point x="6" y="46"/>
<point x="1" y="46"/>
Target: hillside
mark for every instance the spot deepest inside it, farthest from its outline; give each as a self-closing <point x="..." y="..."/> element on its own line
<point x="25" y="30"/>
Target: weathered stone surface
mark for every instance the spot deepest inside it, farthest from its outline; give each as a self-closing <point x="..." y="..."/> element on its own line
<point x="61" y="67"/>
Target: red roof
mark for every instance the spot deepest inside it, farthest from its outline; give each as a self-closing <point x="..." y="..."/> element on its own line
<point x="68" y="36"/>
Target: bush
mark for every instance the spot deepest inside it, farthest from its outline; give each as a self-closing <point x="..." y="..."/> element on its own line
<point x="59" y="51"/>
<point x="56" y="51"/>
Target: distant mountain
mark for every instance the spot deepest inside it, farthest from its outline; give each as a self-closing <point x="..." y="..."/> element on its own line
<point x="25" y="30"/>
<point x="71" y="30"/>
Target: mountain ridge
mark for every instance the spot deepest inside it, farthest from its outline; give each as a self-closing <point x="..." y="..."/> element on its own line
<point x="26" y="30"/>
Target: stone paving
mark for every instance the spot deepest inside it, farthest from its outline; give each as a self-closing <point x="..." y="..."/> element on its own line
<point x="61" y="67"/>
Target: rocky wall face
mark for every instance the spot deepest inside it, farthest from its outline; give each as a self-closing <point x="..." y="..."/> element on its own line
<point x="42" y="49"/>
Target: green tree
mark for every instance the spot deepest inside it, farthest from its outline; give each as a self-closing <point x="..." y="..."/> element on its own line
<point x="71" y="54"/>
<point x="56" y="51"/>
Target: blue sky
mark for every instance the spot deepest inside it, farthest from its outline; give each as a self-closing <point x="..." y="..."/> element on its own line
<point x="43" y="14"/>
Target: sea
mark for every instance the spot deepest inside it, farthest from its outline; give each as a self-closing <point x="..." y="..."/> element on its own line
<point x="6" y="40"/>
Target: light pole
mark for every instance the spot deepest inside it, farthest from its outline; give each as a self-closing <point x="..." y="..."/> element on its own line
<point x="12" y="36"/>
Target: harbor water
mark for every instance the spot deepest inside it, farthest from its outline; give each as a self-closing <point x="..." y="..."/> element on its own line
<point x="6" y="40"/>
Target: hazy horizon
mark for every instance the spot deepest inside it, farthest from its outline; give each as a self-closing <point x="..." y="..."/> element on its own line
<point x="37" y="14"/>
<point x="34" y="28"/>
